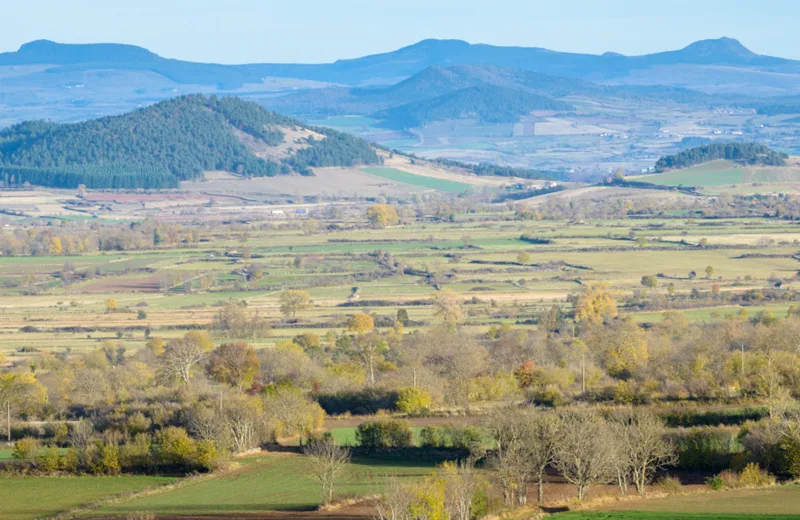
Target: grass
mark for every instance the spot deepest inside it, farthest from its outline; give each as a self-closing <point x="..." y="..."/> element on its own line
<point x="725" y="173"/>
<point x="271" y="483"/>
<point x="37" y="497"/>
<point x="714" y="173"/>
<point x="646" y="515"/>
<point x="419" y="180"/>
<point x="773" y="503"/>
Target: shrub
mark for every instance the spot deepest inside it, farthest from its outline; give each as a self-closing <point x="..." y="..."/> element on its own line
<point x="669" y="484"/>
<point x="175" y="448"/>
<point x="48" y="460"/>
<point x="753" y="476"/>
<point x="716" y="483"/>
<point x="26" y="450"/>
<point x="413" y="401"/>
<point x="455" y="437"/>
<point x="384" y="433"/>
<point x="364" y="402"/>
<point x="706" y="448"/>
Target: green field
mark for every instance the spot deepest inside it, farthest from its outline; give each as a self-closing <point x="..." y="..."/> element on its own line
<point x="37" y="497"/>
<point x="714" y="173"/>
<point x="719" y="173"/>
<point x="772" y="503"/>
<point x="271" y="483"/>
<point x="419" y="180"/>
<point x="639" y="515"/>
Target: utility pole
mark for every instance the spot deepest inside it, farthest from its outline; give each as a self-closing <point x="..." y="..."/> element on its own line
<point x="583" y="373"/>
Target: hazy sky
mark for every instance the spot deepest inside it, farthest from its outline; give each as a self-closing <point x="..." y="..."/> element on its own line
<point x="242" y="31"/>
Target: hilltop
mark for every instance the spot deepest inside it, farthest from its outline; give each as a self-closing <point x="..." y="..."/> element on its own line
<point x="178" y="139"/>
<point x="490" y="104"/>
<point x="741" y="153"/>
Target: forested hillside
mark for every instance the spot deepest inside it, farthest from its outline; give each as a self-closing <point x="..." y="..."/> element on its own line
<point x="743" y="153"/>
<point x="157" y="146"/>
<point x="485" y="103"/>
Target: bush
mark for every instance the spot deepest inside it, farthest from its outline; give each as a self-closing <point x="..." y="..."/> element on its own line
<point x="413" y="401"/>
<point x="364" y="402"/>
<point x="753" y="476"/>
<point x="385" y="433"/>
<point x="716" y="483"/>
<point x="669" y="484"/>
<point x="706" y="448"/>
<point x="26" y="450"/>
<point x="451" y="437"/>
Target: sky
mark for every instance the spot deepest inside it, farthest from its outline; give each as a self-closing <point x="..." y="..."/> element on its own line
<point x="318" y="31"/>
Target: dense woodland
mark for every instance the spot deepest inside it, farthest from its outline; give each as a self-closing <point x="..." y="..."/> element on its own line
<point x="742" y="153"/>
<point x="156" y="146"/>
<point x="486" y="103"/>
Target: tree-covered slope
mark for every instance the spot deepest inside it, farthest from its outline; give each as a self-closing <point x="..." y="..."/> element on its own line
<point x="486" y="103"/>
<point x="742" y="153"/>
<point x="154" y="147"/>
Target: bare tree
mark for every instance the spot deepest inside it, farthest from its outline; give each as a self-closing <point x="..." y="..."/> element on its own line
<point x="643" y="448"/>
<point x="182" y="355"/>
<point x="525" y="447"/>
<point x="327" y="461"/>
<point x="396" y="501"/>
<point x="460" y="484"/>
<point x="80" y="434"/>
<point x="584" y="452"/>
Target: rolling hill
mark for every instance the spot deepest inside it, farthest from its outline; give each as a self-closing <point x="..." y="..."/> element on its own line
<point x="490" y="104"/>
<point x="739" y="168"/>
<point x="174" y="140"/>
<point x="498" y="85"/>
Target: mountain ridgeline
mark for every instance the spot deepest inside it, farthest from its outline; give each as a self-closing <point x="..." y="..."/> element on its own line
<point x="742" y="153"/>
<point x="160" y="145"/>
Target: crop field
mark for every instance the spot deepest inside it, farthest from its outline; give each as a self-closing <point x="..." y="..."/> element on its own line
<point x="38" y="497"/>
<point x="271" y="483"/>
<point x="419" y="180"/>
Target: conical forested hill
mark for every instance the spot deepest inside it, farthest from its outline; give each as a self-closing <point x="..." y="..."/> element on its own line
<point x="177" y="139"/>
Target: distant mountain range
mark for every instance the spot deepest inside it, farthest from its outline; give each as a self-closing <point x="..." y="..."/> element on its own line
<point x="393" y="66"/>
<point x="76" y="81"/>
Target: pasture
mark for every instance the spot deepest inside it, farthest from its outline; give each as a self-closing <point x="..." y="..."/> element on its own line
<point x="774" y="503"/>
<point x="277" y="482"/>
<point x="38" y="497"/>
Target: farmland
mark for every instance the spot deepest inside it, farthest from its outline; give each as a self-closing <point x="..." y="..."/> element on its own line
<point x="272" y="483"/>
<point x="30" y="498"/>
<point x="124" y="287"/>
<point x="418" y="180"/>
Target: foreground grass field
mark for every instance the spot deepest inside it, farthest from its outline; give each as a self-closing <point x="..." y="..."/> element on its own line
<point x="271" y="483"/>
<point x="784" y="500"/>
<point x="38" y="497"/>
<point x="589" y="515"/>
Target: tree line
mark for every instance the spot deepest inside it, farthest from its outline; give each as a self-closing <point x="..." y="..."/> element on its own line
<point x="743" y="153"/>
